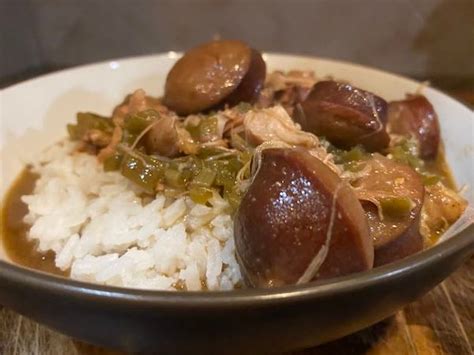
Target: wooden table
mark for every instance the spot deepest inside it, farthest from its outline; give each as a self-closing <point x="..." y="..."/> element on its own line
<point x="442" y="322"/>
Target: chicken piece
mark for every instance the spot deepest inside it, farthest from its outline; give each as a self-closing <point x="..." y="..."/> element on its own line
<point x="110" y="149"/>
<point x="279" y="81"/>
<point x="162" y="138"/>
<point x="442" y="207"/>
<point x="97" y="138"/>
<point x="137" y="102"/>
<point x="274" y="124"/>
<point x="233" y="119"/>
<point x="287" y="89"/>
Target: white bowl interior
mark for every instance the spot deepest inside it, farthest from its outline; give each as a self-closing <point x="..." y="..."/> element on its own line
<point x="34" y="114"/>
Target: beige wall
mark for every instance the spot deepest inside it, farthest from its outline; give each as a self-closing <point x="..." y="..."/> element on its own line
<point x="420" y="38"/>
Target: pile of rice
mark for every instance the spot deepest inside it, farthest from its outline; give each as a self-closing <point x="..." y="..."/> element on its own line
<point x="102" y="229"/>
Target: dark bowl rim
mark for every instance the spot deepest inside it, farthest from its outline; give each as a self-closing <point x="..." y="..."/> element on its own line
<point x="246" y="297"/>
<point x="463" y="240"/>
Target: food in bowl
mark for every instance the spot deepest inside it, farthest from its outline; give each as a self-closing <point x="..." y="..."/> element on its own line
<point x="235" y="178"/>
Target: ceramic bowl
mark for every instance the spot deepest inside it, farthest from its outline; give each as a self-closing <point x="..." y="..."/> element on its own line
<point x="34" y="115"/>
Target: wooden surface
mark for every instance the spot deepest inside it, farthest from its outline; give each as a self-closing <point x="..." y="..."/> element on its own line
<point x="441" y="322"/>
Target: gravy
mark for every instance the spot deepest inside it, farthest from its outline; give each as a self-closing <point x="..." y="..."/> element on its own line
<point x="14" y="231"/>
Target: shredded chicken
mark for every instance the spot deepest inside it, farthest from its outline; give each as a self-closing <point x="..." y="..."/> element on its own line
<point x="137" y="102"/>
<point x="97" y="138"/>
<point x="274" y="124"/>
<point x="233" y="119"/>
<point x="441" y="208"/>
<point x="166" y="137"/>
<point x="192" y="120"/>
<point x="110" y="149"/>
<point x="163" y="138"/>
<point x="279" y="80"/>
<point x="186" y="143"/>
<point x="287" y="89"/>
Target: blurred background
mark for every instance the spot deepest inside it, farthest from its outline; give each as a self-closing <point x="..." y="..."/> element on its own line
<point x="424" y="39"/>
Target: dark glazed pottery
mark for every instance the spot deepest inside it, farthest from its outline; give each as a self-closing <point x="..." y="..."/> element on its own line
<point x="247" y="321"/>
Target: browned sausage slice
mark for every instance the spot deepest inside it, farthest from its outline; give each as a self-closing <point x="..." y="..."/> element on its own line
<point x="296" y="210"/>
<point x="346" y="116"/>
<point x="252" y="83"/>
<point x="388" y="183"/>
<point x="416" y="116"/>
<point x="209" y="73"/>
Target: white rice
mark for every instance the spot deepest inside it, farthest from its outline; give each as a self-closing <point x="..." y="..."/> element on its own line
<point x="104" y="232"/>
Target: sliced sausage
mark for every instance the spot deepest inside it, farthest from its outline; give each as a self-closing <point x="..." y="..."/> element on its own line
<point x="252" y="83"/>
<point x="346" y="116"/>
<point x="388" y="183"/>
<point x="416" y="116"/>
<point x="208" y="74"/>
<point x="299" y="222"/>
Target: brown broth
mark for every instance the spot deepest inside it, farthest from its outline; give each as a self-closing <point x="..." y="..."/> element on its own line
<point x="14" y="231"/>
<point x="440" y="167"/>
